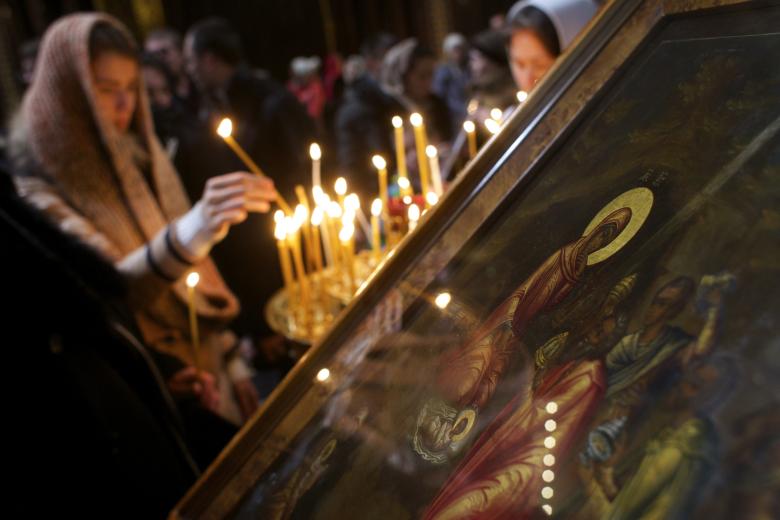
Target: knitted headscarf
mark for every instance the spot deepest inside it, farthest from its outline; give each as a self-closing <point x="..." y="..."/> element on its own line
<point x="80" y="154"/>
<point x="395" y="66"/>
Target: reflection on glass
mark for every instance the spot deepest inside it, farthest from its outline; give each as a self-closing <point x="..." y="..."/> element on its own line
<point x="443" y="299"/>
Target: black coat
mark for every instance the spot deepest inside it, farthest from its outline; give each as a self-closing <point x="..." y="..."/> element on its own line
<point x="363" y="129"/>
<point x="274" y="129"/>
<point x="90" y="429"/>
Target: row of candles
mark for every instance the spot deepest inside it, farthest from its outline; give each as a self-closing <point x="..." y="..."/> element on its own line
<point x="303" y="234"/>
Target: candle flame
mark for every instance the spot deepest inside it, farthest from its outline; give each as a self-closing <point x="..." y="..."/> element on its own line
<point x="192" y="279"/>
<point x="279" y="231"/>
<point x="403" y="183"/>
<point x="522" y="95"/>
<point x="323" y="375"/>
<point x="376" y="207"/>
<point x="225" y="128"/>
<point x="430" y="151"/>
<point x="472" y="106"/>
<point x="443" y="299"/>
<point x="316" y="216"/>
<point x="315" y="152"/>
<point x="492" y="126"/>
<point x="431" y="198"/>
<point x="496" y="114"/>
<point x="348" y="218"/>
<point x="416" y="119"/>
<point x="346" y="233"/>
<point x="407" y="199"/>
<point x="397" y="122"/>
<point x="414" y="213"/>
<point x="301" y="215"/>
<point x="278" y="215"/>
<point x="379" y="162"/>
<point x="469" y="127"/>
<point x="317" y="194"/>
<point x="341" y="186"/>
<point x="352" y="202"/>
<point x="291" y="225"/>
<point x="333" y="209"/>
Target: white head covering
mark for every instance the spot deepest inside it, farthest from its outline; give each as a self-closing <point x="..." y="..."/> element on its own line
<point x="453" y="40"/>
<point x="567" y="16"/>
<point x="303" y="66"/>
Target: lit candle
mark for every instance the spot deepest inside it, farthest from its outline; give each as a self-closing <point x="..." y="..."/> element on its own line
<point x="431" y="198"/>
<point x="192" y="280"/>
<point x="376" y="210"/>
<point x="321" y="199"/>
<point x="414" y="216"/>
<point x="433" y="160"/>
<point x="400" y="152"/>
<point x="341" y="189"/>
<point x="404" y="186"/>
<point x="316" y="155"/>
<point x="280" y="232"/>
<point x="496" y="114"/>
<point x="345" y="236"/>
<point x="334" y="213"/>
<point x="316" y="221"/>
<point x="352" y="203"/>
<point x="421" y="141"/>
<point x="381" y="169"/>
<point x="293" y="236"/>
<point x="471" y="134"/>
<point x="301" y="215"/>
<point x="225" y="131"/>
<point x="321" y="286"/>
<point x="492" y="126"/>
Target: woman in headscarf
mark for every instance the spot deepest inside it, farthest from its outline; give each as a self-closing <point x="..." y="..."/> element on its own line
<point x="407" y="75"/>
<point x="539" y="31"/>
<point x="85" y="153"/>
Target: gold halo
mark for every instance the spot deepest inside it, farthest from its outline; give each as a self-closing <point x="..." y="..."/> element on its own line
<point x="471" y="417"/>
<point x="639" y="201"/>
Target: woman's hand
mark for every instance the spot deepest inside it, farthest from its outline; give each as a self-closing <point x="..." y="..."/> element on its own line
<point x="202" y="385"/>
<point x="226" y="201"/>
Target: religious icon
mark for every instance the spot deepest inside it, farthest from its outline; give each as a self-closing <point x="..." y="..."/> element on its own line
<point x="469" y="375"/>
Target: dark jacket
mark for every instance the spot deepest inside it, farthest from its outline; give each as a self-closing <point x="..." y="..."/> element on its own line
<point x="274" y="129"/>
<point x="363" y="129"/>
<point x="92" y="429"/>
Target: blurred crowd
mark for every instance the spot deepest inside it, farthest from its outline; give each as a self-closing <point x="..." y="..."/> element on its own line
<point x="115" y="185"/>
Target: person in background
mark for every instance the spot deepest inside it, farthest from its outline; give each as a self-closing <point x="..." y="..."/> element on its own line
<point x="306" y="85"/>
<point x="274" y="129"/>
<point x="165" y="43"/>
<point x="539" y="31"/>
<point x="363" y="121"/>
<point x="28" y="53"/>
<point x="174" y="124"/>
<point x="451" y="78"/>
<point x="491" y="80"/>
<point x="373" y="51"/>
<point x="85" y="154"/>
<point x="407" y="74"/>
